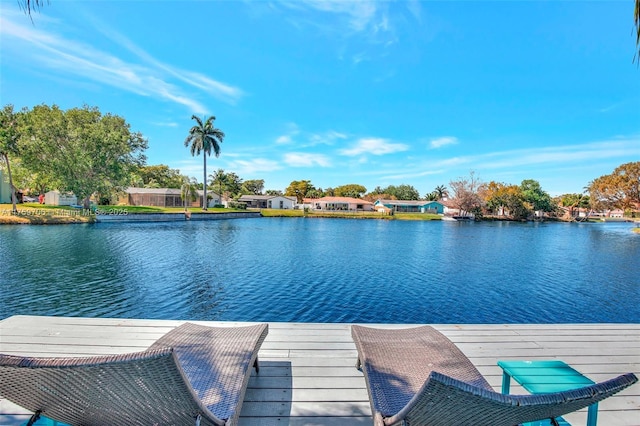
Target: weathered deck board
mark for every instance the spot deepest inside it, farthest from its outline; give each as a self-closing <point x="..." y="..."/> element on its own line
<point x="308" y="375"/>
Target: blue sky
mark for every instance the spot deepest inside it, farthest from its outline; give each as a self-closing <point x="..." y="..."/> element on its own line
<point x="337" y="92"/>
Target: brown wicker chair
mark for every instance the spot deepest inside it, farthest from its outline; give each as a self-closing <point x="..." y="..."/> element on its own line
<point x="193" y="375"/>
<point x="417" y="376"/>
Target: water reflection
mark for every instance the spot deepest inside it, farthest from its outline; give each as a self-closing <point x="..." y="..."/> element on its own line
<point x="324" y="270"/>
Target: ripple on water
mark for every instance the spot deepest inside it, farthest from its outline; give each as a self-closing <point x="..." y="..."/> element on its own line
<point x="327" y="270"/>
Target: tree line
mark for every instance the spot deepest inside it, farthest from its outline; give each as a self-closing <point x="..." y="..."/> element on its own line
<point x="91" y="154"/>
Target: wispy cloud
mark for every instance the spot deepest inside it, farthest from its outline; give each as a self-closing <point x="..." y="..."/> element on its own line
<point x="374" y="146"/>
<point x="442" y="141"/>
<point x="528" y="160"/>
<point x="165" y="124"/>
<point x="301" y="159"/>
<point x="255" y="165"/>
<point x="360" y="15"/>
<point x="307" y="139"/>
<point x="146" y="77"/>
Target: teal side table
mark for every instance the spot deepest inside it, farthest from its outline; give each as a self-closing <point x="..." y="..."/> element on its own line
<point x="546" y="377"/>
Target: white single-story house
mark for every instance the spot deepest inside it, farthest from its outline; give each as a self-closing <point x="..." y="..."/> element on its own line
<point x="268" y="201"/>
<point x="412" y="206"/>
<point x="339" y="204"/>
<point x="616" y="214"/>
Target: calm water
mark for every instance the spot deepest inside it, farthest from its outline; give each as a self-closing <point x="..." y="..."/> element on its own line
<point x="324" y="270"/>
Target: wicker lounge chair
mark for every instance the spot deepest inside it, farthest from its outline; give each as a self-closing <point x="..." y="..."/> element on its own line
<point x="417" y="376"/>
<point x="193" y="375"/>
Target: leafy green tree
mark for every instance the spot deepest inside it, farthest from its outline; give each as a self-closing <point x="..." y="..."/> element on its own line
<point x="401" y="192"/>
<point x="204" y="137"/>
<point x="234" y="185"/>
<point x="573" y="201"/>
<point x="9" y="135"/>
<point x="534" y="195"/>
<point x="503" y="199"/>
<point x="160" y="176"/>
<point x="299" y="189"/>
<point x="81" y="150"/>
<point x="253" y="186"/>
<point x="219" y="178"/>
<point x="273" y="192"/>
<point x="620" y="189"/>
<point x="351" y="190"/>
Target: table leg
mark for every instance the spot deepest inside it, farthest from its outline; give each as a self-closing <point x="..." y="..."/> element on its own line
<point x="592" y="415"/>
<point x="506" y="384"/>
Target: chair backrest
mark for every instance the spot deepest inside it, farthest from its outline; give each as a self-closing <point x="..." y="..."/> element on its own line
<point x="446" y="401"/>
<point x="131" y="389"/>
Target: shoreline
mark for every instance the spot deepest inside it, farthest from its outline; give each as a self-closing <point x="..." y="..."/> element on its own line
<point x="55" y="215"/>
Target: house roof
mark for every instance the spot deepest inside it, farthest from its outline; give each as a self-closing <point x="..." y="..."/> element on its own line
<point x="408" y="202"/>
<point x="161" y="191"/>
<point x="157" y="191"/>
<point x="264" y="197"/>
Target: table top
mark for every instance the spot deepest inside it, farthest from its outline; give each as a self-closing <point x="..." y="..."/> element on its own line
<point x="545" y="376"/>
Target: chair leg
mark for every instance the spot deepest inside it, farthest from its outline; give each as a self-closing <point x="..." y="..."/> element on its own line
<point x="34" y="418"/>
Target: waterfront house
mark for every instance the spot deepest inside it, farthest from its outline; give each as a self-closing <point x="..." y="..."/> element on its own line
<point x="268" y="201"/>
<point x="163" y="197"/>
<point x="56" y="198"/>
<point x="340" y="204"/>
<point x="411" y="206"/>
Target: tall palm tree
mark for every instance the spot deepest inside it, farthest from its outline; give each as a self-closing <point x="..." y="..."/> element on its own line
<point x="204" y="137"/>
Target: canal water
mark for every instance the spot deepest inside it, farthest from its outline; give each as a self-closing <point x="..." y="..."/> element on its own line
<point x="325" y="270"/>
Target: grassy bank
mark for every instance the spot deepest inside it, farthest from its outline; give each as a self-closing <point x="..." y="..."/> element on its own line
<point x="42" y="214"/>
<point x="39" y="214"/>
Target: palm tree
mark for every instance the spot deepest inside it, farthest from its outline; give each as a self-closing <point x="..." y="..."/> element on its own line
<point x="204" y="137"/>
<point x="219" y="177"/>
<point x="441" y="192"/>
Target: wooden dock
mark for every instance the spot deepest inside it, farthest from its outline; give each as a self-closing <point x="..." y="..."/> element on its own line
<point x="308" y="374"/>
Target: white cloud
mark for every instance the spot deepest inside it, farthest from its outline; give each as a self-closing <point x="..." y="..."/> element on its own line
<point x="165" y="124"/>
<point x="148" y="77"/>
<point x="374" y="146"/>
<point x="284" y="139"/>
<point x="442" y="141"/>
<point x="301" y="159"/>
<point x="253" y="166"/>
<point x="326" y="138"/>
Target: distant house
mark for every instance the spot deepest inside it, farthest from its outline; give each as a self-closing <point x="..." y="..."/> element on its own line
<point x="268" y="201"/>
<point x="412" y="206"/>
<point x="339" y="204"/>
<point x="616" y="214"/>
<point x="5" y="189"/>
<point x="56" y="198"/>
<point x="163" y="197"/>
